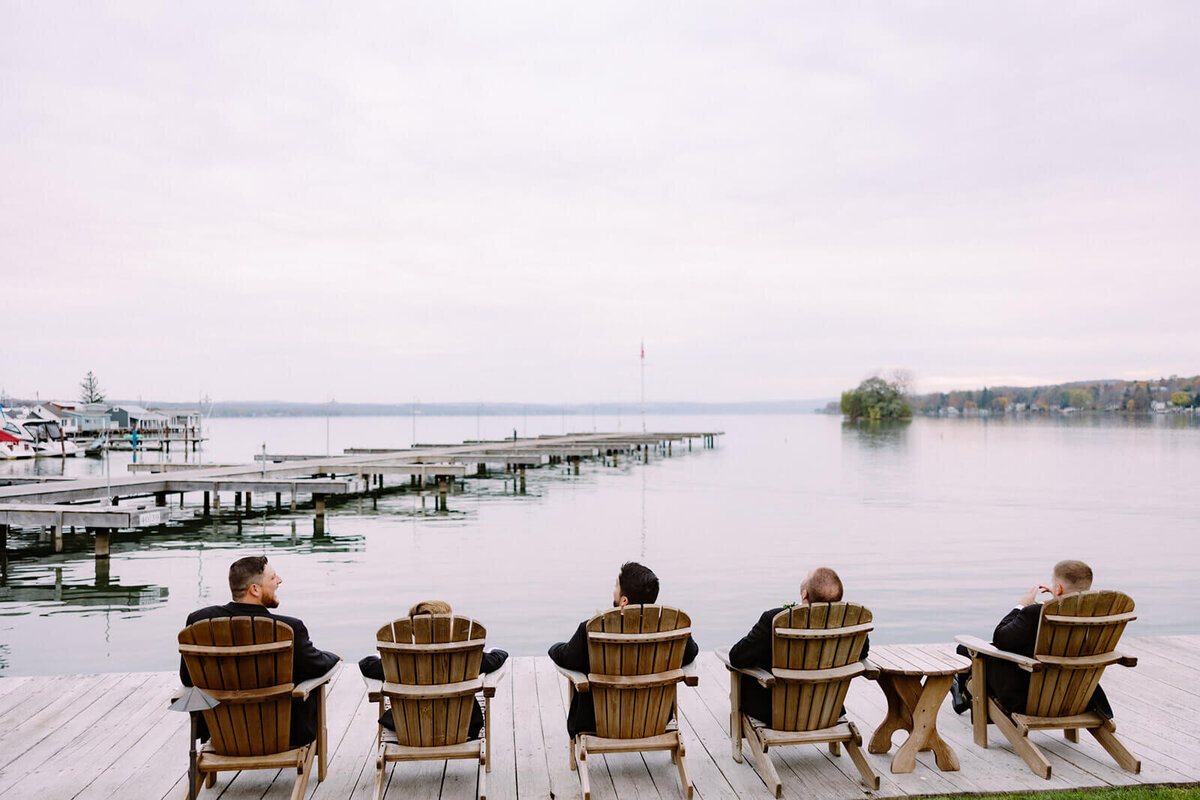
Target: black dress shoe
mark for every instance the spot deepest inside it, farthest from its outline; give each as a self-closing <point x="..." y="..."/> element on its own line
<point x="960" y="698"/>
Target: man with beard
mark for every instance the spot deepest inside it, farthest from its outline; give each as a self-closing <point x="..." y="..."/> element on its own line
<point x="253" y="583"/>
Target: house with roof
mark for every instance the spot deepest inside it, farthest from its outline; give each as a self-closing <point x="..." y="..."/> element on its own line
<point x="131" y="417"/>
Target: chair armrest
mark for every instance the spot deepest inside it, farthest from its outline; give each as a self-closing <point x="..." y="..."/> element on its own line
<point x="578" y="679"/>
<point x="490" y="679"/>
<point x="1127" y="661"/>
<point x="691" y="676"/>
<point x="870" y="671"/>
<point x="764" y="677"/>
<point x="374" y="689"/>
<point x="305" y="688"/>
<point x="178" y="693"/>
<point x="979" y="647"/>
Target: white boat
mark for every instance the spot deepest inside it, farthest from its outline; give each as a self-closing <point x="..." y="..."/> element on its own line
<point x="48" y="438"/>
<point x="34" y="438"/>
<point x="14" y="442"/>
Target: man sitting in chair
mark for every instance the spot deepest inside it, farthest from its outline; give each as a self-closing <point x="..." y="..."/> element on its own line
<point x="253" y="582"/>
<point x="1017" y="633"/>
<point x="636" y="584"/>
<point x="372" y="667"/>
<point x="821" y="585"/>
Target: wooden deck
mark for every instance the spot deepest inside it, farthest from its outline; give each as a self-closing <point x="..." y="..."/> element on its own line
<point x="111" y="736"/>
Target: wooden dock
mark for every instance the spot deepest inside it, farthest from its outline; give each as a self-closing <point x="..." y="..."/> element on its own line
<point x="111" y="736"/>
<point x="97" y="503"/>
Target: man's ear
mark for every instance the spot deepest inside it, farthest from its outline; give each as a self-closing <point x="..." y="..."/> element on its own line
<point x="624" y="601"/>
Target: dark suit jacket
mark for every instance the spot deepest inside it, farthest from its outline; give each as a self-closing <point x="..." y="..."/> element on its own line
<point x="307" y="662"/>
<point x="581" y="716"/>
<point x="372" y="667"/>
<point x="754" y="651"/>
<point x="1008" y="683"/>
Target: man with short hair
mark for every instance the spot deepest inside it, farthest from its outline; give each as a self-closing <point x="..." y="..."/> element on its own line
<point x="1017" y="633"/>
<point x="636" y="585"/>
<point x="821" y="585"/>
<point x="253" y="583"/>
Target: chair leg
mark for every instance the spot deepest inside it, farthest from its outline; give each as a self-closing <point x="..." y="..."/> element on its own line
<point x="487" y="730"/>
<point x="571" y="744"/>
<point x="979" y="706"/>
<point x="584" y="783"/>
<point x="322" y="743"/>
<point x="835" y="749"/>
<point x="210" y="780"/>
<point x="735" y="715"/>
<point x="380" y="777"/>
<point x="1071" y="734"/>
<point x="870" y="778"/>
<point x="302" y="774"/>
<point x="1113" y="745"/>
<point x="1025" y="748"/>
<point x="483" y="769"/>
<point x="681" y="764"/>
<point x="766" y="770"/>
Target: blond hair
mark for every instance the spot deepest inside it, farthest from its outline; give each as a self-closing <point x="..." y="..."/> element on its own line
<point x="429" y="607"/>
<point x="1075" y="576"/>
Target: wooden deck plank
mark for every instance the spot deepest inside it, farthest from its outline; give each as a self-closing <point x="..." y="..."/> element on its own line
<point x="57" y="740"/>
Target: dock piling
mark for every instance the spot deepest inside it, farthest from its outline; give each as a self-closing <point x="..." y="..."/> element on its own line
<point x="278" y="501"/>
<point x="160" y="499"/>
<point x="206" y="499"/>
<point x="103" y="542"/>
<point x="56" y="533"/>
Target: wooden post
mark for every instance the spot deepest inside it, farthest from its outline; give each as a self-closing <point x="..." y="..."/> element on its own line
<point x="237" y="500"/>
<point x="4" y="549"/>
<point x="522" y="479"/>
<point x="217" y="502"/>
<point x="181" y="496"/>
<point x="293" y="499"/>
<point x="576" y="459"/>
<point x="441" y="490"/>
<point x="103" y="542"/>
<point x="56" y="532"/>
<point x="206" y="504"/>
<point x="247" y="502"/>
<point x="278" y="500"/>
<point x="160" y="499"/>
<point x="319" y="518"/>
<point x="481" y="469"/>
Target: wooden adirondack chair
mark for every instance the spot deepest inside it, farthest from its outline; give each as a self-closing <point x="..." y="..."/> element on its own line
<point x="816" y="655"/>
<point x="246" y="664"/>
<point x="636" y="659"/>
<point x="1076" y="639"/>
<point x="431" y="676"/>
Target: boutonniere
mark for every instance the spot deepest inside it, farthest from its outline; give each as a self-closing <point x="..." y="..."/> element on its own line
<point x="790" y="604"/>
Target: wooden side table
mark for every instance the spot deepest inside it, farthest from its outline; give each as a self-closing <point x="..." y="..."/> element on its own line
<point x="912" y="706"/>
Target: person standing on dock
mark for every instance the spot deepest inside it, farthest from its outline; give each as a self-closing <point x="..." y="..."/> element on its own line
<point x="253" y="583"/>
<point x="636" y="585"/>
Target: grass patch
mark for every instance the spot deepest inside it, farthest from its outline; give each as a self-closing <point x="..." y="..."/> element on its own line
<point x="1114" y="793"/>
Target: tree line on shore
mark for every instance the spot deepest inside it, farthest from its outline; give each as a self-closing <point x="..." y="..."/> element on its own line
<point x="882" y="398"/>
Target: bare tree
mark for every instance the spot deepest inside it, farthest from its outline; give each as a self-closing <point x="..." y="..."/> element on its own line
<point x="89" y="389"/>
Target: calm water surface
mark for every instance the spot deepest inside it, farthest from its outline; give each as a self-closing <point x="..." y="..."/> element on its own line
<point x="938" y="526"/>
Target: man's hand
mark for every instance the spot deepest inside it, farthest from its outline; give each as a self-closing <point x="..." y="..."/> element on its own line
<point x="1030" y="597"/>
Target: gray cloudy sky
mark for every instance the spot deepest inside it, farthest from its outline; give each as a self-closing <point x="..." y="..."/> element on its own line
<point x="497" y="201"/>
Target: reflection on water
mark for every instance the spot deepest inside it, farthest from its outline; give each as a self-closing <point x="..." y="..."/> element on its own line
<point x="877" y="434"/>
<point x="937" y="525"/>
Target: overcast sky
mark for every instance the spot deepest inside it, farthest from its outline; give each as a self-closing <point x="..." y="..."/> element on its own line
<point x="498" y="201"/>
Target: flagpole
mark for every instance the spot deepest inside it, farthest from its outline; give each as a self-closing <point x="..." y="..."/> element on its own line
<point x="643" y="385"/>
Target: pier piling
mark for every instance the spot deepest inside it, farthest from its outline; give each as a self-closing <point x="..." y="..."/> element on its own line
<point x="206" y="499"/>
<point x="103" y="542"/>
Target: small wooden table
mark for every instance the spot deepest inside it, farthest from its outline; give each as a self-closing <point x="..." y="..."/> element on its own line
<point x="912" y="706"/>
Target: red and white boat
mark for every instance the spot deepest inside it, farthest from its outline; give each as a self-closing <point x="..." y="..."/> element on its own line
<point x="13" y="442"/>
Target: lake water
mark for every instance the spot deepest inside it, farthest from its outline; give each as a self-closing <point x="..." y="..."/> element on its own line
<point x="938" y="526"/>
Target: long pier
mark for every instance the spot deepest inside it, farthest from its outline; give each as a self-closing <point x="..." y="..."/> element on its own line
<point x="104" y="505"/>
<point x="110" y="736"/>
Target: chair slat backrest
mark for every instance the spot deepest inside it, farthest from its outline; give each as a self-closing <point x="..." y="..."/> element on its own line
<point x="246" y="664"/>
<point x="812" y="705"/>
<point x="634" y="673"/>
<point x="442" y="720"/>
<point x="1067" y="635"/>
